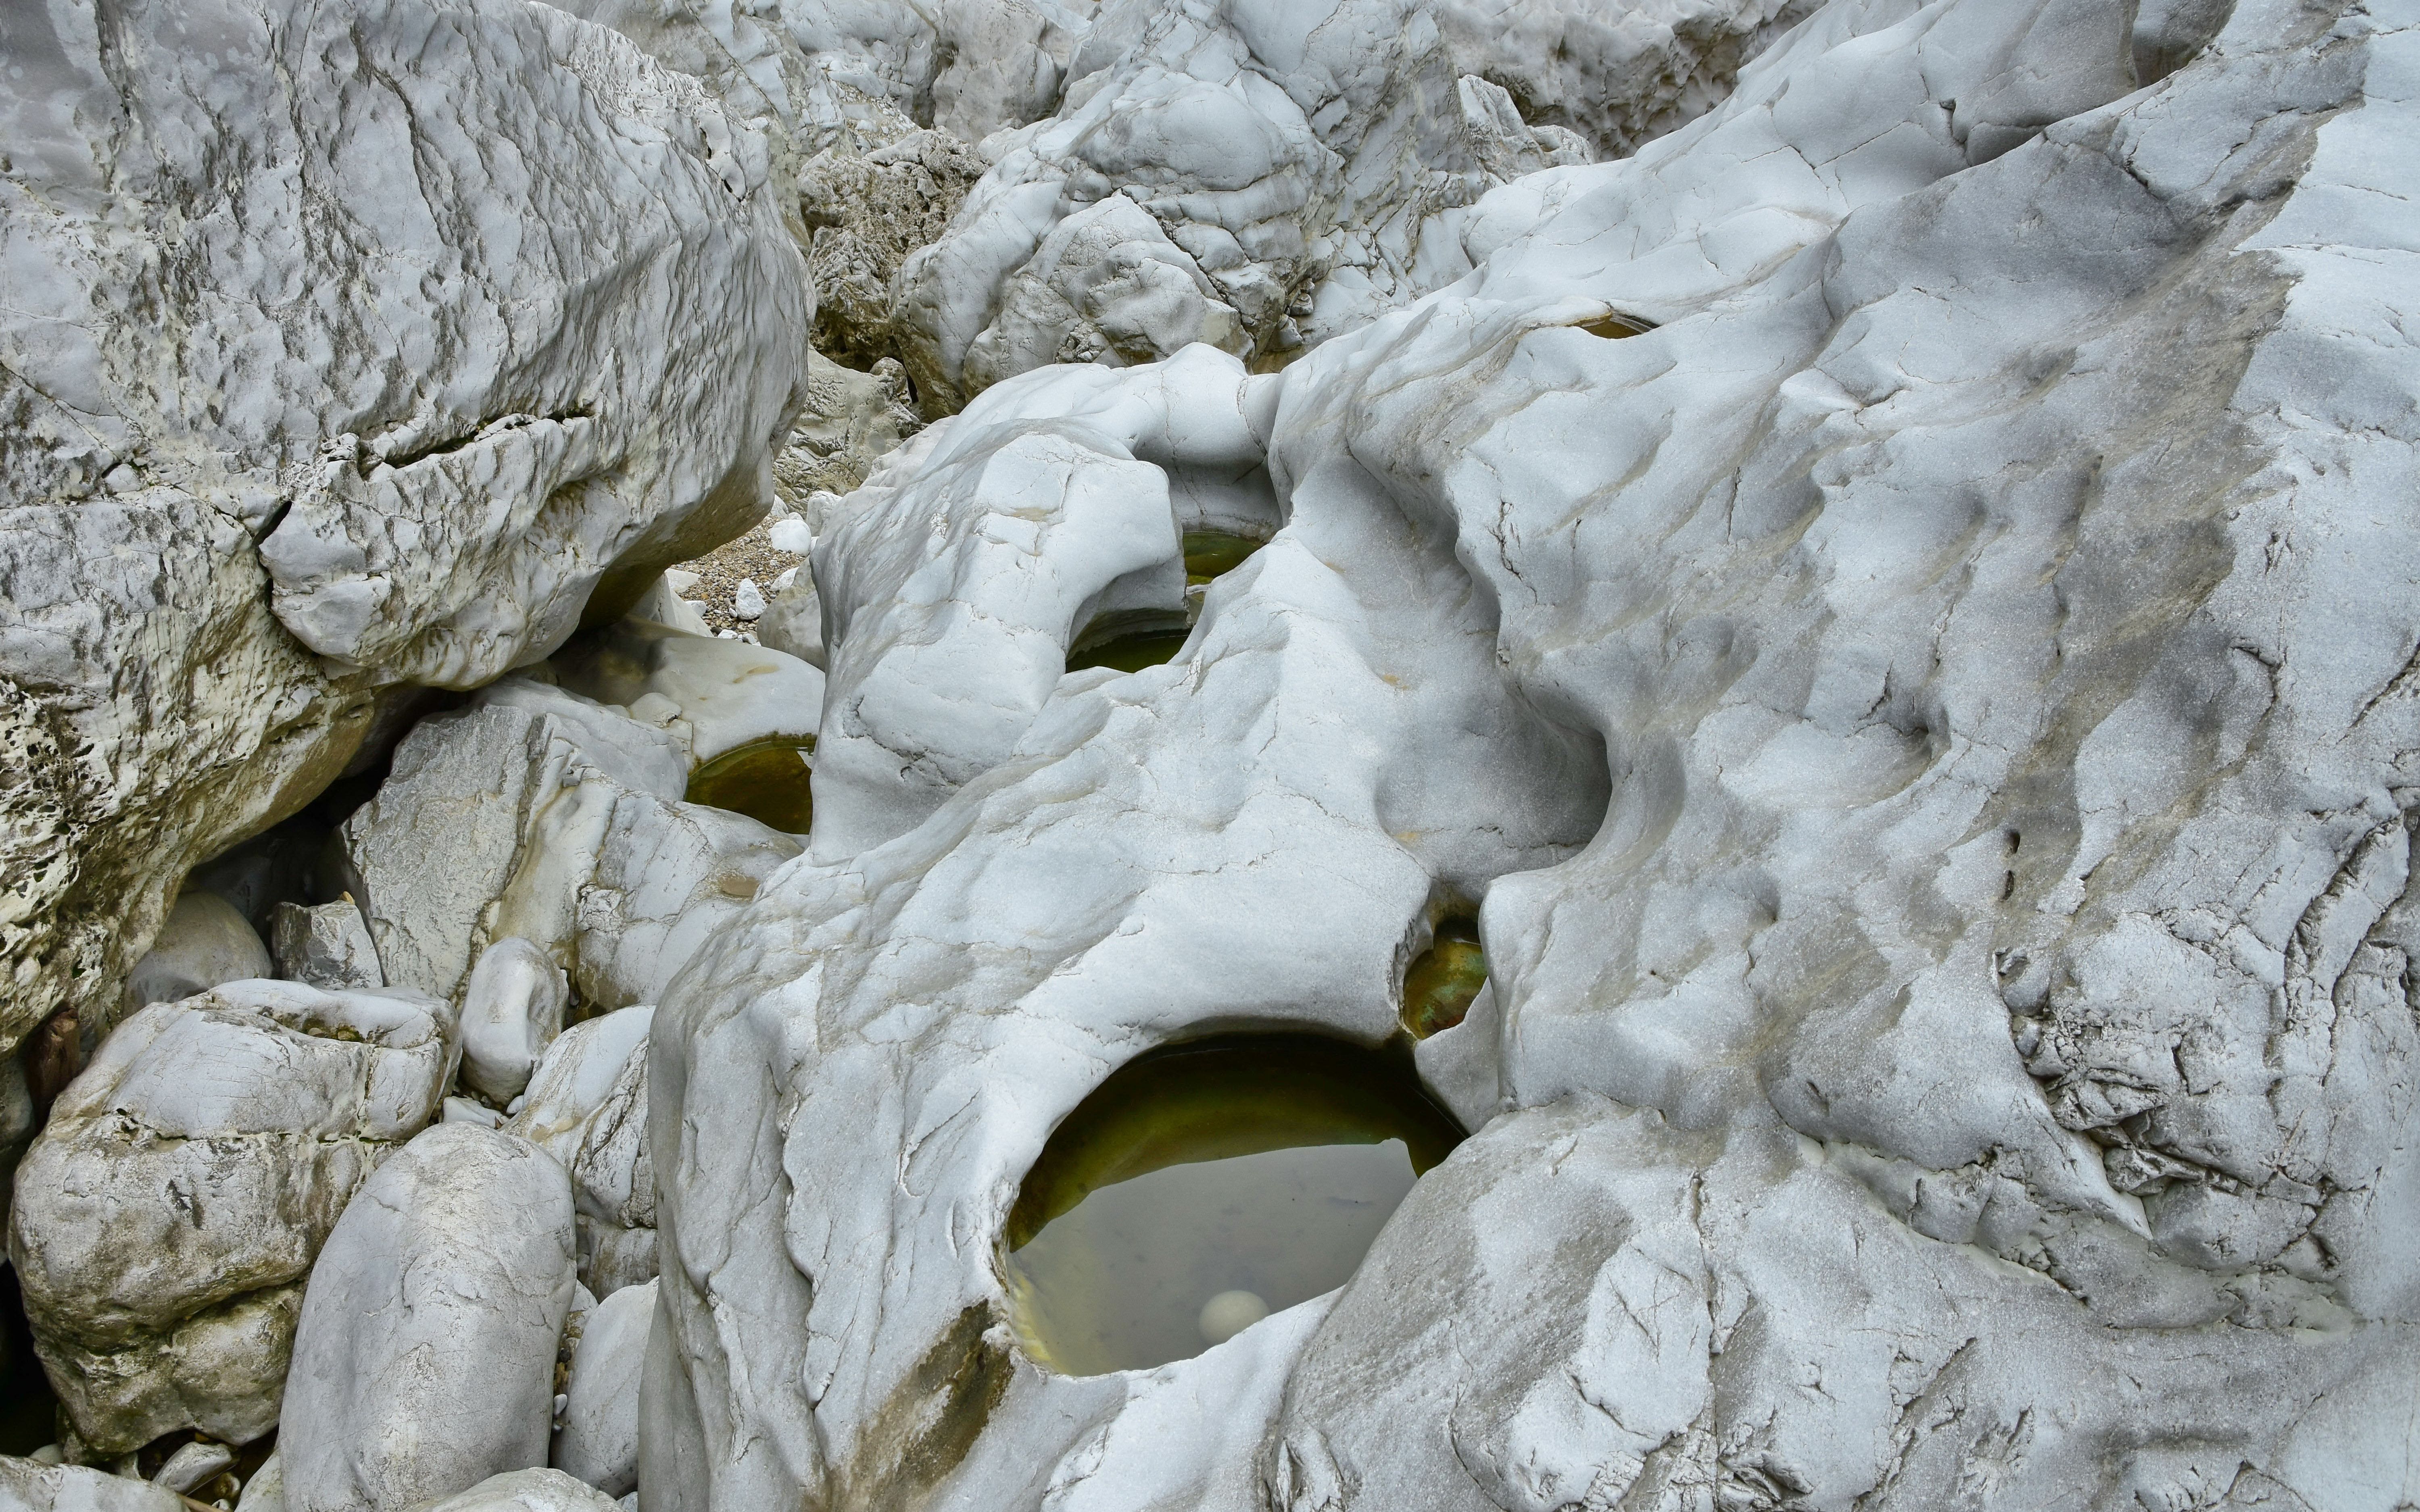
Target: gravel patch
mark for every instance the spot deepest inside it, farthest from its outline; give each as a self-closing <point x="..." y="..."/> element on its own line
<point x="753" y="557"/>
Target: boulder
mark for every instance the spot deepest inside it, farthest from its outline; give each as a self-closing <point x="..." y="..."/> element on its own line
<point x="512" y="1010"/>
<point x="168" y="1215"/>
<point x="203" y="942"/>
<point x="219" y="547"/>
<point x="539" y="814"/>
<point x="587" y="1107"/>
<point x="425" y="1359"/>
<point x="29" y="1485"/>
<point x="327" y="945"/>
<point x="597" y="1439"/>
<point x="524" y="1490"/>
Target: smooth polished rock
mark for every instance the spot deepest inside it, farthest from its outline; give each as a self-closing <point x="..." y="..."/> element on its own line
<point x="542" y="814"/>
<point x="425" y="1359"/>
<point x="597" y="1439"/>
<point x="223" y="541"/>
<point x="168" y="1215"/>
<point x="524" y="1490"/>
<point x="587" y="1107"/>
<point x="203" y="943"/>
<point x="27" y="1485"/>
<point x="512" y="1010"/>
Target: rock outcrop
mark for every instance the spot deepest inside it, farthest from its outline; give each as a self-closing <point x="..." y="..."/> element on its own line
<point x="167" y="1216"/>
<point x="1892" y="601"/>
<point x="342" y="348"/>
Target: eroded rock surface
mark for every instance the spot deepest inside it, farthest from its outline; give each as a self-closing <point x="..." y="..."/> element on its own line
<point x="1893" y="602"/>
<point x="167" y="1216"/>
<point x="425" y="1359"/>
<point x="341" y="348"/>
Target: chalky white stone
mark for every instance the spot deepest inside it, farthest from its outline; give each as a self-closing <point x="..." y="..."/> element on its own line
<point x="203" y="943"/>
<point x="598" y="1438"/>
<point x="27" y="1485"/>
<point x="425" y="1359"/>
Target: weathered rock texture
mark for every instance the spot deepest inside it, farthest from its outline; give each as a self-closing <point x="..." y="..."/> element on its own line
<point x="1931" y="724"/>
<point x="587" y="1107"/>
<point x="1262" y="176"/>
<point x="168" y="1215"/>
<point x="540" y="814"/>
<point x="425" y="1362"/>
<point x="339" y="347"/>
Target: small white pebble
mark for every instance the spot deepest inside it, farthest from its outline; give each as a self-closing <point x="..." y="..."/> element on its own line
<point x="514" y="1108"/>
<point x="560" y="1402"/>
<point x="791" y="535"/>
<point x="789" y="575"/>
<point x="747" y="600"/>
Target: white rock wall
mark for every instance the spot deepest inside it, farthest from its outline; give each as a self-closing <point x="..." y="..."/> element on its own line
<point x="1926" y="721"/>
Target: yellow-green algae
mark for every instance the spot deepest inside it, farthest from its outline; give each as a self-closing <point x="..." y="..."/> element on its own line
<point x="1440" y="985"/>
<point x="766" y="779"/>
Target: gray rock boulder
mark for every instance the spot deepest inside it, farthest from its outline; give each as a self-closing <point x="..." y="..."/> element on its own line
<point x="203" y="943"/>
<point x="220" y="544"/>
<point x="524" y="1490"/>
<point x="168" y="1215"/>
<point x="587" y="1107"/>
<point x="425" y="1359"/>
<point x="27" y="1486"/>
<point x="512" y="1010"/>
<point x="327" y="945"/>
<point x="542" y="814"/>
<point x="597" y="1439"/>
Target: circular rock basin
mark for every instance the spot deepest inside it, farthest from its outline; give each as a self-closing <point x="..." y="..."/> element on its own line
<point x="764" y="779"/>
<point x="1131" y="640"/>
<point x="1204" y="1186"/>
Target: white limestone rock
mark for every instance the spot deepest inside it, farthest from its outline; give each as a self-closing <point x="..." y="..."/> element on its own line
<point x="1260" y="177"/>
<point x="283" y="428"/>
<point x="1928" y="724"/>
<point x="587" y="1107"/>
<point x="425" y="1359"/>
<point x="27" y="1486"/>
<point x="597" y="1440"/>
<point x="713" y="696"/>
<point x="327" y="945"/>
<point x="167" y="1215"/>
<point x="203" y="943"/>
<point x="542" y="814"/>
<point x="948" y="643"/>
<point x="524" y="1490"/>
<point x="663" y="604"/>
<point x="512" y="1010"/>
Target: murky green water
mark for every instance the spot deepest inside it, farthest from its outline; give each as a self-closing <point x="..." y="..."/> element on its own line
<point x="764" y="779"/>
<point x="1441" y="983"/>
<point x="1204" y="1186"/>
<point x="1131" y="640"/>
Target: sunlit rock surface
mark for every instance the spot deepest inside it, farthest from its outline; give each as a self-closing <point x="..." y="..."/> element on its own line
<point x="1924" y="727"/>
<point x="168" y="1215"/>
<point x="339" y="347"/>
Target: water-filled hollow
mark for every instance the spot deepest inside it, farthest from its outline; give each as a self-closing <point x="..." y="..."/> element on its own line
<point x="1205" y="1185"/>
<point x="766" y="779"/>
<point x="1132" y="640"/>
